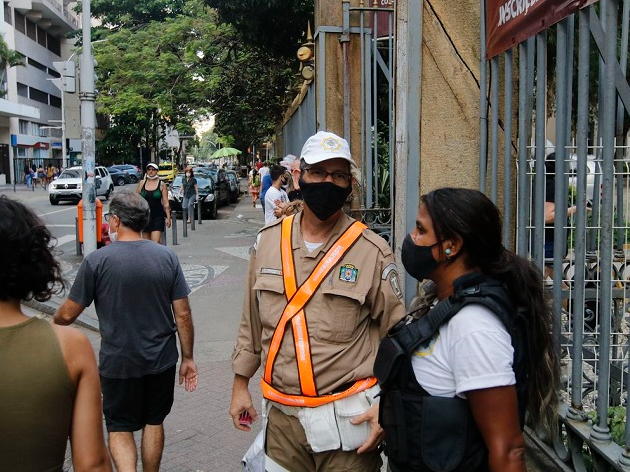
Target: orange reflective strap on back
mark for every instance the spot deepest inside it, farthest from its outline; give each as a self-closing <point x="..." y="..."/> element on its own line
<point x="286" y="252"/>
<point x="298" y="298"/>
<point x="274" y="395"/>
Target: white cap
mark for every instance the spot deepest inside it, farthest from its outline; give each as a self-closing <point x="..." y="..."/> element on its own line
<point x="153" y="164"/>
<point x="287" y="161"/>
<point x="323" y="146"/>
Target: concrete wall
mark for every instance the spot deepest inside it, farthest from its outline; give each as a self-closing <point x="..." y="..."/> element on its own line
<point x="449" y="132"/>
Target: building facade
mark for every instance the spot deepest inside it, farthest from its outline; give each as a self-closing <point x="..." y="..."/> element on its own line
<point x="31" y="116"/>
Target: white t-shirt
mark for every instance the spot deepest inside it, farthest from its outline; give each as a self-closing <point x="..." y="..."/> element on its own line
<point x="263" y="171"/>
<point x="472" y="351"/>
<point x="271" y="196"/>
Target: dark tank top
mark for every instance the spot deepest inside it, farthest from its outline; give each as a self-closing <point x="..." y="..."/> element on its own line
<point x="154" y="199"/>
<point x="36" y="398"/>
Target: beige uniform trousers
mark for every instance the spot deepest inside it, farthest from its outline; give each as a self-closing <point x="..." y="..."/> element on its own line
<point x="287" y="445"/>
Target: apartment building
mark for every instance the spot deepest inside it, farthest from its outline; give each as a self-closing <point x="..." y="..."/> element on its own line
<point x="31" y="114"/>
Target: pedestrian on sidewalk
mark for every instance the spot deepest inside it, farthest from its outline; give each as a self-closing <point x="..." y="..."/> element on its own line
<point x="254" y="186"/>
<point x="190" y="192"/>
<point x="137" y="286"/>
<point x="321" y="407"/>
<point x="276" y="198"/>
<point x="50" y="389"/>
<point x="155" y="193"/>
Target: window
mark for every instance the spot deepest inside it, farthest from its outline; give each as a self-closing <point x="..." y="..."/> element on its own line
<point x="7" y="14"/>
<point x="22" y="90"/>
<point x="20" y="22"/>
<point x="55" y="101"/>
<point x="38" y="95"/>
<point x="24" y="127"/>
<point x="54" y="73"/>
<point x="54" y="45"/>
<point x="31" y="30"/>
<point x="21" y="151"/>
<point x="41" y="36"/>
<point x="37" y="65"/>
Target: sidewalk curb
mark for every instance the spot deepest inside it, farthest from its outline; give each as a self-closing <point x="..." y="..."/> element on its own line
<point x="50" y="307"/>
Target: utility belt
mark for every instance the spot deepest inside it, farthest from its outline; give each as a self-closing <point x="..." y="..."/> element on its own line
<point x="328" y="427"/>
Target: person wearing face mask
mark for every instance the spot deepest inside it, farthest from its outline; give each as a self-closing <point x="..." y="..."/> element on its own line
<point x="276" y="197"/>
<point x="322" y="291"/>
<point x="155" y="193"/>
<point x="190" y="192"/>
<point x="460" y="379"/>
<point x="138" y="331"/>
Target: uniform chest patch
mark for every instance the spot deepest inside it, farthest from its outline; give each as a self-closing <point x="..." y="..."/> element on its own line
<point x="348" y="273"/>
<point x="270" y="271"/>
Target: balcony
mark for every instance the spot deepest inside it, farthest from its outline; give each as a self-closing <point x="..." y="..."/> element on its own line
<point x="48" y="14"/>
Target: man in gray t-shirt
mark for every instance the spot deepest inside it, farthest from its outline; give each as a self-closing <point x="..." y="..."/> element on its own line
<point x="141" y="300"/>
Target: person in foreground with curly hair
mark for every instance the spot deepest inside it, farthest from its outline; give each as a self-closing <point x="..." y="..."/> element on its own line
<point x="456" y="394"/>
<point x="50" y="389"/>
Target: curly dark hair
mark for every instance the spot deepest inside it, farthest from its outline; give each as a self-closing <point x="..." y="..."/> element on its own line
<point x="29" y="268"/>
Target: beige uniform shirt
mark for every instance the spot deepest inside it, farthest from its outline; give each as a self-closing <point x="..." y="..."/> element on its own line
<point x="354" y="307"/>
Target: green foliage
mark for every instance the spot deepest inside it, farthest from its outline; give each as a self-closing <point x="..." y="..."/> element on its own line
<point x="616" y="423"/>
<point x="277" y="26"/>
<point x="8" y="58"/>
<point x="126" y="13"/>
<point x="250" y="99"/>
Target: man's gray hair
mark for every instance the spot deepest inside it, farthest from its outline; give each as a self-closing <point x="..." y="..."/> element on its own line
<point x="132" y="209"/>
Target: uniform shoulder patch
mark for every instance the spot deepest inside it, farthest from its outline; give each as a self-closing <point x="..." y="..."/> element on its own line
<point x="348" y="273"/>
<point x="390" y="272"/>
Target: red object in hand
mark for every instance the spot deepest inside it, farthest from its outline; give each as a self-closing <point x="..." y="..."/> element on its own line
<point x="245" y="419"/>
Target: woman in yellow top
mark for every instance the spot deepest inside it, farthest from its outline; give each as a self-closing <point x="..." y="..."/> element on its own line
<point x="156" y="194"/>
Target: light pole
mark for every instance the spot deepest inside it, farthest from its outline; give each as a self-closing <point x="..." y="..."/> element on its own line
<point x="87" y="97"/>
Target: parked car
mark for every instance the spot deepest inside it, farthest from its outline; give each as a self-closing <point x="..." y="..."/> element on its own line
<point x="133" y="171"/>
<point x="207" y="195"/>
<point x="167" y="171"/>
<point x="222" y="183"/>
<point x="69" y="185"/>
<point x="119" y="177"/>
<point x="235" y="185"/>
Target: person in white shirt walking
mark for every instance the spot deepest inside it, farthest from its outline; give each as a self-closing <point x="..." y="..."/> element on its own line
<point x="276" y="197"/>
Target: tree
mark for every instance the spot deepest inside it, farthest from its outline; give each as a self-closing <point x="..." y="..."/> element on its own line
<point x="278" y="26"/>
<point x="8" y="58"/>
<point x="159" y="75"/>
<point x="251" y="98"/>
<point x="128" y="13"/>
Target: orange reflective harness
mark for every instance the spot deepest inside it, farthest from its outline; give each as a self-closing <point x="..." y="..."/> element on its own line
<point x="297" y="298"/>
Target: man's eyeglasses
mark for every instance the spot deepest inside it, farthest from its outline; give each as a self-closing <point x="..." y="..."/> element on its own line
<point x="319" y="175"/>
<point x="107" y="216"/>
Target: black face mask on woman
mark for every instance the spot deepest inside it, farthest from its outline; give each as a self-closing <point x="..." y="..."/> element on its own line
<point x="324" y="199"/>
<point x="418" y="260"/>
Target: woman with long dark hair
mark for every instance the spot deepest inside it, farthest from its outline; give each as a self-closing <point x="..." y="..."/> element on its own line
<point x="50" y="388"/>
<point x="459" y="400"/>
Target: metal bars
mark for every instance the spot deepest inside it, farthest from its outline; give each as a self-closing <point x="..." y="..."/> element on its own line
<point x="573" y="99"/>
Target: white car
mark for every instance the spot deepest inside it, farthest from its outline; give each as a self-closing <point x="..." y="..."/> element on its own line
<point x="69" y="185"/>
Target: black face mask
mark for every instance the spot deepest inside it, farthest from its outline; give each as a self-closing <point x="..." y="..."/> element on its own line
<point x="324" y="199"/>
<point x="418" y="260"/>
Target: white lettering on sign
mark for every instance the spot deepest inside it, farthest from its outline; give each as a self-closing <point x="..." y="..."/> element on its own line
<point x="513" y="9"/>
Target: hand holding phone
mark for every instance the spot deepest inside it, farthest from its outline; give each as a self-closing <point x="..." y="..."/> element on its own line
<point x="245" y="419"/>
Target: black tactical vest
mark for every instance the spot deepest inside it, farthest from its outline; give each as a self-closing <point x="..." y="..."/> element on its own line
<point x="426" y="433"/>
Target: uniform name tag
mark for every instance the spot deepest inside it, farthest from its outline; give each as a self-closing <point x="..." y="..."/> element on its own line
<point x="348" y="273"/>
<point x="270" y="271"/>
